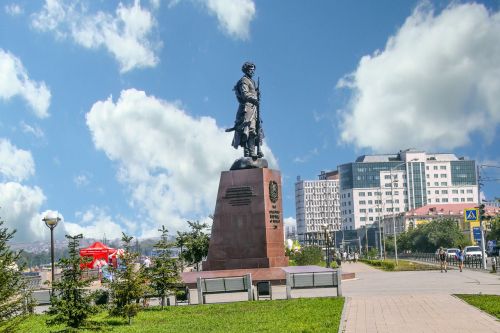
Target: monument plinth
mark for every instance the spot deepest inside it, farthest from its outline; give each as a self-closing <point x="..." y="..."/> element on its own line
<point x="247" y="229"/>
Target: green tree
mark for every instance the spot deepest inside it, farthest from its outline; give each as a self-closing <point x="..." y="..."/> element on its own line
<point x="164" y="273"/>
<point x="308" y="255"/>
<point x="13" y="294"/>
<point x="428" y="237"/>
<point x="494" y="233"/>
<point x="194" y="242"/>
<point x="128" y="284"/>
<point x="71" y="300"/>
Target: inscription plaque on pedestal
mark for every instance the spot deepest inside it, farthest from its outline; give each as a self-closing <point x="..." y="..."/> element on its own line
<point x="247" y="231"/>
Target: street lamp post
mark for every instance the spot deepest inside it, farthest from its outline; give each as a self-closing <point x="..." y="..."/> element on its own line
<point x="51" y="221"/>
<point x="394" y="215"/>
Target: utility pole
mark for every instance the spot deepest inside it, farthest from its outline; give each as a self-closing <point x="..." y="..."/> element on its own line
<point x="481" y="216"/>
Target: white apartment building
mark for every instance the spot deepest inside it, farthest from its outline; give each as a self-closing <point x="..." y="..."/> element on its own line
<point x="367" y="193"/>
<point x="317" y="204"/>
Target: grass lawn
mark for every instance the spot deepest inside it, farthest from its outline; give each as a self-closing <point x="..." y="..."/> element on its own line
<point x="296" y="315"/>
<point x="389" y="265"/>
<point x="487" y="303"/>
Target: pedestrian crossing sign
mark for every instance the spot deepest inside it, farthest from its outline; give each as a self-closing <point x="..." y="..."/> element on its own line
<point x="471" y="215"/>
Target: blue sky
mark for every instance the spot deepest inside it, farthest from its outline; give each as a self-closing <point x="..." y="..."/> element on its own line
<point x="113" y="113"/>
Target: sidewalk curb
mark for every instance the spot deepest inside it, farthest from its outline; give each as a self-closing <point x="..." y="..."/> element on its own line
<point x="475" y="307"/>
<point x="343" y="321"/>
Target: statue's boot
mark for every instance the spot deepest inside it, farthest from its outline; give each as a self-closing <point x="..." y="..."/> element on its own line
<point x="260" y="154"/>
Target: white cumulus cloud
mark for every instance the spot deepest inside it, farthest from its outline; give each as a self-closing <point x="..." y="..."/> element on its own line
<point x="234" y="16"/>
<point x="14" y="81"/>
<point x="169" y="160"/>
<point x="19" y="208"/>
<point x="436" y="83"/>
<point x="290" y="222"/>
<point x="13" y="9"/>
<point x="127" y="34"/>
<point x="94" y="223"/>
<point x="15" y="164"/>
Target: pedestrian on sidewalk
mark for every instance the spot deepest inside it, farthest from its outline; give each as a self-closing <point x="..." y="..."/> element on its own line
<point x="356" y="256"/>
<point x="460" y="257"/>
<point x="442" y="259"/>
<point x="344" y="256"/>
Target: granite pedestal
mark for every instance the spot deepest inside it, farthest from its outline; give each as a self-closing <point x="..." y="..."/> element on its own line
<point x="247" y="230"/>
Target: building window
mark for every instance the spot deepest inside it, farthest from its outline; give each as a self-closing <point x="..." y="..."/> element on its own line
<point x="455" y="199"/>
<point x="469" y="199"/>
<point x="444" y="192"/>
<point x="428" y="192"/>
<point x="444" y="184"/>
<point x="387" y="184"/>
<point x="429" y="200"/>
<point x="436" y="175"/>
<point x="442" y="167"/>
<point x="361" y="194"/>
<point x="437" y="199"/>
<point x="462" y="191"/>
<point x="454" y="191"/>
<point x="445" y="199"/>
<point x="362" y="219"/>
<point x="469" y="191"/>
<point x="362" y="210"/>
<point x="369" y="194"/>
<point x="462" y="199"/>
<point x="436" y="183"/>
<point x="426" y="167"/>
<point x="428" y="184"/>
<point x="428" y="176"/>
<point x="436" y="192"/>
<point x="435" y="167"/>
<point x="443" y="175"/>
<point x="387" y="176"/>
<point x="388" y="193"/>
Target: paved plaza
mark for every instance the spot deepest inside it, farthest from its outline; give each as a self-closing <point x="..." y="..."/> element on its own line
<point x="422" y="301"/>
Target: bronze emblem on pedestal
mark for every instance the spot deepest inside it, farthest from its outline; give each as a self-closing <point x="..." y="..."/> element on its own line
<point x="273" y="191"/>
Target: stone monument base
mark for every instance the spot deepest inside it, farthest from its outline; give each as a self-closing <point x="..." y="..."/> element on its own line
<point x="247" y="229"/>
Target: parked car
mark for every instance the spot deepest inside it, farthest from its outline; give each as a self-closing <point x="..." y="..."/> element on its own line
<point x="451" y="253"/>
<point x="473" y="251"/>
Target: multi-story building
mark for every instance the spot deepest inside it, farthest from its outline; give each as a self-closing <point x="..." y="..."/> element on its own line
<point x="378" y="185"/>
<point x="317" y="207"/>
<point x="291" y="232"/>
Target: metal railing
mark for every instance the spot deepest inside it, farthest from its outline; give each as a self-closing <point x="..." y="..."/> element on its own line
<point x="474" y="262"/>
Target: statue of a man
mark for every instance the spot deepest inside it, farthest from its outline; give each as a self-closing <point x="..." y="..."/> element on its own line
<point x="247" y="128"/>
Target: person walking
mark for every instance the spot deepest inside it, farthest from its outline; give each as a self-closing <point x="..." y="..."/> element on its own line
<point x="356" y="256"/>
<point x="460" y="257"/>
<point x="442" y="259"/>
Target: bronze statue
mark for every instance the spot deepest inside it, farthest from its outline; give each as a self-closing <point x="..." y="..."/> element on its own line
<point x="247" y="128"/>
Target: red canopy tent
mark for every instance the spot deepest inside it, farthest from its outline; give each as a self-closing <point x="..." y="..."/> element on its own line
<point x="98" y="251"/>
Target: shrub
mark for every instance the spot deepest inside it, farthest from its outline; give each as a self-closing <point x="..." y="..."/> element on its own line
<point x="101" y="297"/>
<point x="310" y="255"/>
